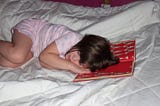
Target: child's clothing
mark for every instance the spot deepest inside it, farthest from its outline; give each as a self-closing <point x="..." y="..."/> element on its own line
<point x="44" y="33"/>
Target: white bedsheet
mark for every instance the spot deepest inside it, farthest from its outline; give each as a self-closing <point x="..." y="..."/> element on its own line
<point x="31" y="85"/>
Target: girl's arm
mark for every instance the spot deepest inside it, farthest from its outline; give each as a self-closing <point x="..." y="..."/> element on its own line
<point x="50" y="59"/>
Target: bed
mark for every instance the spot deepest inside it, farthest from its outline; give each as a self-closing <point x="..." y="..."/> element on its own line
<point x="32" y="85"/>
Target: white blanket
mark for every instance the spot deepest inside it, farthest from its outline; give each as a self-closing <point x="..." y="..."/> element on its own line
<point x="31" y="85"/>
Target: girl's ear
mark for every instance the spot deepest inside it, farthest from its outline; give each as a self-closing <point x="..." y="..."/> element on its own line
<point x="75" y="56"/>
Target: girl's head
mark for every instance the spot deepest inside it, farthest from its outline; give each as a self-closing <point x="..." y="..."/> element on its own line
<point x="92" y="52"/>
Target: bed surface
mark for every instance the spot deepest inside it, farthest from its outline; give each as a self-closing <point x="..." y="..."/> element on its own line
<point x="32" y="85"/>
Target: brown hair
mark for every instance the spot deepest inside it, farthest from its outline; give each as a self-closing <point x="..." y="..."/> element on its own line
<point x="95" y="52"/>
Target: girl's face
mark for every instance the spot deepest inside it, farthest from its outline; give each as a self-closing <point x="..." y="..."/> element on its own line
<point x="74" y="57"/>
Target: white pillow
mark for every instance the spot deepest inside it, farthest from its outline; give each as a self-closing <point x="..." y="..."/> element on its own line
<point x="129" y="20"/>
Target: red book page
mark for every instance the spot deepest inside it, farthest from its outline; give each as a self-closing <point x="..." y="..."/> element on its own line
<point x="125" y="50"/>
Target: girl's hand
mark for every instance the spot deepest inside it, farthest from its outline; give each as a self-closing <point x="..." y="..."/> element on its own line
<point x="79" y="70"/>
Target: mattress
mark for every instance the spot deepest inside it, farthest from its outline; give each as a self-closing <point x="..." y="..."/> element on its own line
<point x="32" y="85"/>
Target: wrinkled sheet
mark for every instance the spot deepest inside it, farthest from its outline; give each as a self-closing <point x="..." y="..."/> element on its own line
<point x="32" y="85"/>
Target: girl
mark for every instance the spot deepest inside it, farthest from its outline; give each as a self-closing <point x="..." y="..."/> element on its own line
<point x="56" y="46"/>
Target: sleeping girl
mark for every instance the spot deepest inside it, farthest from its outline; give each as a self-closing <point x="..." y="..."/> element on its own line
<point x="56" y="46"/>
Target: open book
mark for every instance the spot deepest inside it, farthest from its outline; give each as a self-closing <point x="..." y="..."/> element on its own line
<point x="125" y="50"/>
